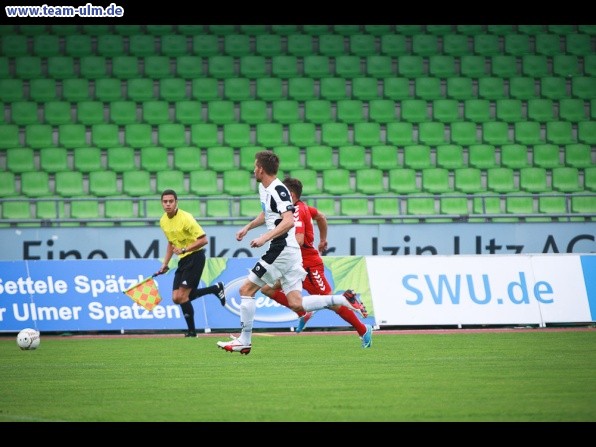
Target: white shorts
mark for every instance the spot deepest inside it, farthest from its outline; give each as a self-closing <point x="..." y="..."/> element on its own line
<point x="287" y="268"/>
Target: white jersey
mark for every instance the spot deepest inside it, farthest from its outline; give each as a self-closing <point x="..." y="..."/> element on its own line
<point x="275" y="199"/>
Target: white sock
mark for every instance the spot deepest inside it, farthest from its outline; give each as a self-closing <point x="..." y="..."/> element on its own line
<point x="316" y="302"/>
<point x="248" y="308"/>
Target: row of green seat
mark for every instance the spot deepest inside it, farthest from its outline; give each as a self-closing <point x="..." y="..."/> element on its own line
<point x="287" y="111"/>
<point x="290" y="29"/>
<point x="286" y="66"/>
<point x="410" y="209"/>
<point x="338" y="181"/>
<point x="328" y="44"/>
<point x="319" y="157"/>
<point x="300" y="134"/>
<point x="298" y="89"/>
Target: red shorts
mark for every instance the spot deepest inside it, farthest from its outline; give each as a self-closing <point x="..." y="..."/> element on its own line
<point x="315" y="282"/>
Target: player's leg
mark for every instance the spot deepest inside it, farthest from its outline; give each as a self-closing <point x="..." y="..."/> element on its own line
<point x="196" y="266"/>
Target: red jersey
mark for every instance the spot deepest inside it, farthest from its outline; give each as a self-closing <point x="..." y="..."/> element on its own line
<point x="303" y="216"/>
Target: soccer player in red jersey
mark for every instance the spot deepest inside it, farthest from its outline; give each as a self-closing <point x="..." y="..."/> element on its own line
<point x="315" y="282"/>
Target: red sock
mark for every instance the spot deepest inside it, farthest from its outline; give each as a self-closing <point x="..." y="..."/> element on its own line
<point x="352" y="318"/>
<point x="281" y="298"/>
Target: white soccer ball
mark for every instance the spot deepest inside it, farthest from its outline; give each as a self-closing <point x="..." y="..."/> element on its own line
<point x="28" y="339"/>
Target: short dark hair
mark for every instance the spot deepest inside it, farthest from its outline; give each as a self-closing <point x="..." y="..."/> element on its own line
<point x="169" y="192"/>
<point x="294" y="185"/>
<point x="268" y="160"/>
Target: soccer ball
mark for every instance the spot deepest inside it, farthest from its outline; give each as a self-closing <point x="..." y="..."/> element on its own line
<point x="28" y="339"/>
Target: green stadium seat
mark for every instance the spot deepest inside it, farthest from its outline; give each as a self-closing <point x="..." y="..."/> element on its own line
<point x="59" y="112"/>
<point x="14" y="45"/>
<point x="332" y="89"/>
<point x="253" y="112"/>
<point x="172" y="89"/>
<point x="44" y="90"/>
<point x="379" y="66"/>
<point x="301" y="89"/>
<point x="96" y="67"/>
<point x="496" y="132"/>
<point x="72" y="135"/>
<point x="123" y="112"/>
<point x="53" y="159"/>
<point x="39" y="135"/>
<point x="174" y="45"/>
<point x="221" y="112"/>
<point x="204" y="183"/>
<point x="365" y="88"/>
<point x="18" y="210"/>
<point x="333" y="134"/>
<point x="110" y="45"/>
<point x="24" y="113"/>
<point x="369" y="181"/>
<point x="583" y="204"/>
<point x="310" y="181"/>
<point x="12" y="90"/>
<point x="247" y="156"/>
<point x="590" y="65"/>
<point x="590" y="178"/>
<point x="156" y="67"/>
<point x="316" y="111"/>
<point x="49" y="210"/>
<point x="548" y="44"/>
<point x="528" y="133"/>
<point x="382" y="111"/>
<point x="221" y="158"/>
<point x="522" y="88"/>
<point x="121" y="159"/>
<point x="572" y="109"/>
<point x="509" y="110"/>
<point x="428" y="88"/>
<point x="319" y="157"/>
<point x="541" y="110"/>
<point x="171" y="179"/>
<point x="138" y="135"/>
<point x="486" y="44"/>
<point x="482" y="156"/>
<point x="445" y="110"/>
<point x="394" y="45"/>
<point x="419" y="205"/>
<point x="141" y="45"/>
<point x="414" y="110"/>
<point x="70" y="184"/>
<point x="78" y="45"/>
<point x="586" y="132"/>
<point x="171" y="135"/>
<point x="88" y="113"/>
<point x="106" y="90"/>
<point x="549" y="205"/>
<point x="299" y="45"/>
<point x="521" y="206"/>
<point x="560" y="132"/>
<point x="331" y="45"/>
<point x="515" y="156"/>
<point x="418" y="157"/>
<point x="535" y="66"/>
<point x="8" y="185"/>
<point x="238" y="183"/>
<point x="85" y="209"/>
<point x="464" y="133"/>
<point x="187" y="158"/>
<point x="546" y="156"/>
<point x="411" y="66"/>
<point x="268" y="45"/>
<point x="566" y="179"/>
<point x="386" y="207"/>
<point x="460" y="88"/>
<point x="337" y="182"/>
<point x="205" y="45"/>
<point x="189" y="67"/>
<point x="249" y="208"/>
<point x="236" y="134"/>
<point x="396" y="89"/>
<point x="578" y="44"/>
<point x="87" y="159"/>
<point x="456" y="206"/>
<point x="316" y="66"/>
<point x="578" y="155"/>
<point x="237" y="89"/>
<point x="403" y="181"/>
<point x="154" y="159"/>
<point x="533" y="179"/>
<point x="362" y="44"/>
<point x="384" y="157"/>
<point x="105" y="135"/>
<point x="269" y="89"/>
<point x="432" y="133"/>
<point x="400" y="134"/>
<point x="504" y="66"/>
<point x="436" y="180"/>
<point x="477" y="110"/>
<point x="270" y="134"/>
<point x="516" y="44"/>
<point x="350" y="157"/>
<point x="450" y="156"/>
<point x="456" y="44"/>
<point x="491" y="88"/>
<point x="119" y="210"/>
<point x="35" y="184"/>
<point x="441" y="65"/>
<point x="473" y="66"/>
<point x="354" y="208"/>
<point x="219" y="208"/>
<point x="468" y="180"/>
<point x="284" y="66"/>
<point x="501" y="180"/>
<point x="156" y="112"/>
<point x="28" y="67"/>
<point x="349" y="111"/>
<point x="20" y="159"/>
<point x="302" y="134"/>
<point x="378" y="30"/>
<point x="205" y="89"/>
<point x="425" y="44"/>
<point x="286" y="111"/>
<point x="553" y="87"/>
<point x="253" y="66"/>
<point x="367" y="134"/>
<point x="140" y="89"/>
<point x="103" y="183"/>
<point x="566" y="65"/>
<point x="290" y="157"/>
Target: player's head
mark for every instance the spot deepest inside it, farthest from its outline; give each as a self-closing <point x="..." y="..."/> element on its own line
<point x="266" y="161"/>
<point x="169" y="201"/>
<point x="294" y="185"/>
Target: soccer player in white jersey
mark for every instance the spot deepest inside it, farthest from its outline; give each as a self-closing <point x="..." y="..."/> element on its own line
<point x="282" y="262"/>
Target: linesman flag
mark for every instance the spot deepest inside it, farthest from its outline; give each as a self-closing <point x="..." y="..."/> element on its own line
<point x="145" y="293"/>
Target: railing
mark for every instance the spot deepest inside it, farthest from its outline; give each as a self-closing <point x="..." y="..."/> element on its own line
<point x="140" y="214"/>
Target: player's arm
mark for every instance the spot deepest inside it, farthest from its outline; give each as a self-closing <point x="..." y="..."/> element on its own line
<point x="321" y="221"/>
<point x="256" y="222"/>
<point x="287" y="222"/>
<point x="166" y="260"/>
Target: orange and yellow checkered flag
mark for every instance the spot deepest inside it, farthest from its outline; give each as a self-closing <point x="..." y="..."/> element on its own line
<point x="145" y="293"/>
